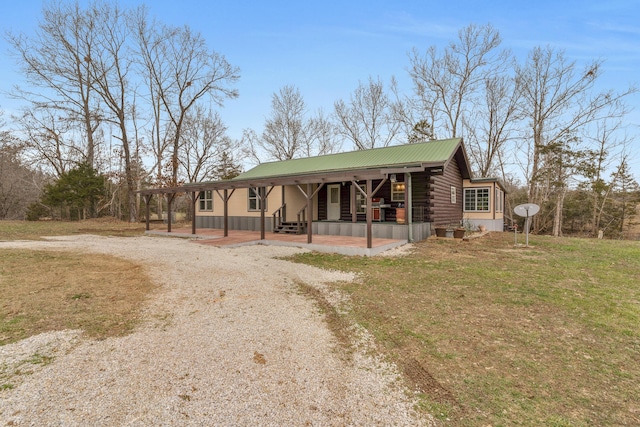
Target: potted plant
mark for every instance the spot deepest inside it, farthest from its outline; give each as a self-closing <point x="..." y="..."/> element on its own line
<point x="458" y="233"/>
<point x="441" y="230"/>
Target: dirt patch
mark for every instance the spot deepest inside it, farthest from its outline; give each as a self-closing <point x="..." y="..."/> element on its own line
<point x="420" y="378"/>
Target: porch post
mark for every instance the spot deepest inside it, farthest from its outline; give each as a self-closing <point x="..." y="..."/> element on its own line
<point x="283" y="204"/>
<point x="261" y="191"/>
<point x="408" y="204"/>
<point x="369" y="214"/>
<point x="147" y="200"/>
<point x="193" y="210"/>
<point x="225" y="217"/>
<point x="169" y="202"/>
<point x="309" y="213"/>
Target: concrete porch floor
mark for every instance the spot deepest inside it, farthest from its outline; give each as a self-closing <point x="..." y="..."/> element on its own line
<point x="346" y="245"/>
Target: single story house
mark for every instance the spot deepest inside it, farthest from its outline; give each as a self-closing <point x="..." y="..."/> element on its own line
<point x="398" y="192"/>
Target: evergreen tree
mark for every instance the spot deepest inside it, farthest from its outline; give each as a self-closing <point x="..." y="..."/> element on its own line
<point x="77" y="192"/>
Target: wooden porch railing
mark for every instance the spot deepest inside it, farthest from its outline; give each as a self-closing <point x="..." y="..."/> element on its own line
<point x="420" y="213"/>
<point x="302" y="215"/>
<point x="279" y="215"/>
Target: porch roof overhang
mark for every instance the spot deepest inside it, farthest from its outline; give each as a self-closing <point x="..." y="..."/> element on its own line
<point x="314" y="178"/>
<point x="353" y="166"/>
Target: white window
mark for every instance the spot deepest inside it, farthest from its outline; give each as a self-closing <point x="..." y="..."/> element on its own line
<point x="206" y="200"/>
<point x="397" y="191"/>
<point x="476" y="199"/>
<point x="254" y="200"/>
<point x="454" y="195"/>
<point x="499" y="200"/>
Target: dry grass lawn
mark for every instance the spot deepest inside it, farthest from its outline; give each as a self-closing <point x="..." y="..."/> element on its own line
<point x="49" y="291"/>
<point x="34" y="230"/>
<point x="52" y="290"/>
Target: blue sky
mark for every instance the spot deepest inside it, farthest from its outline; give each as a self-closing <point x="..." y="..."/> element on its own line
<point x="325" y="48"/>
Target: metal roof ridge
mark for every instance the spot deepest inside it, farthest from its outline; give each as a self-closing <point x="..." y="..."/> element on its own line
<point x="342" y="153"/>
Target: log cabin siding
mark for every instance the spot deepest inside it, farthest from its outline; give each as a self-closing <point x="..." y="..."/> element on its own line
<point x="421" y="195"/>
<point x="444" y="212"/>
<point x="322" y="203"/>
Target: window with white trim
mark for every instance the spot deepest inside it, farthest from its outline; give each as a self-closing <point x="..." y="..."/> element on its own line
<point x="206" y="200"/>
<point x="254" y="200"/>
<point x="454" y="195"/>
<point x="476" y="199"/>
<point x="499" y="200"/>
<point x="397" y="191"/>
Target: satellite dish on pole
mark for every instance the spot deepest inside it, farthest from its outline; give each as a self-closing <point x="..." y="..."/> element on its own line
<point x="526" y="210"/>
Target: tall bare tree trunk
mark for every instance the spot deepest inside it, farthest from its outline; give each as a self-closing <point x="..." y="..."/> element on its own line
<point x="557" y="218"/>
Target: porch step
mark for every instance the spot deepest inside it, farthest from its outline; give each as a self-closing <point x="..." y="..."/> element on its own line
<point x="290" y="228"/>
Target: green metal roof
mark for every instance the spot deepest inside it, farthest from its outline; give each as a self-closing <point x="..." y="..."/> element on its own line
<point x="432" y="152"/>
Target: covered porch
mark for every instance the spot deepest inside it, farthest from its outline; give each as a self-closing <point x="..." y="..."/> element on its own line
<point x="364" y="223"/>
<point x="345" y="245"/>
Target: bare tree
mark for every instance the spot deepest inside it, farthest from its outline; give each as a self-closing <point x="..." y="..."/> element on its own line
<point x="414" y="122"/>
<point x="322" y="138"/>
<point x="288" y="133"/>
<point x="204" y="143"/>
<point x="368" y="119"/>
<point x="56" y="62"/>
<point x="284" y="131"/>
<point x="182" y="70"/>
<point x="558" y="101"/>
<point x="102" y="73"/>
<point x="111" y="68"/>
<point x="153" y="72"/>
<point x="20" y="182"/>
<point x="49" y="142"/>
<point x="606" y="141"/>
<point x="446" y="83"/>
<point x="492" y="124"/>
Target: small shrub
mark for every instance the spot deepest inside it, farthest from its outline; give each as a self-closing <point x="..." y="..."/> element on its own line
<point x="35" y="211"/>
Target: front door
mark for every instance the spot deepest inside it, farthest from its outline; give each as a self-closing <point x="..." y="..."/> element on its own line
<point x="333" y="202"/>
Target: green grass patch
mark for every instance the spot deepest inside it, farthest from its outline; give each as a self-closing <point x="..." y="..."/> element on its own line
<point x="546" y="335"/>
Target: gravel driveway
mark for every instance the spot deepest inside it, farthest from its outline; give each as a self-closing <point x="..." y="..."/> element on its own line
<point x="227" y="340"/>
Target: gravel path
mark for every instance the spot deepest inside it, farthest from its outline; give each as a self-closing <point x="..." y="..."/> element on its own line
<point x="227" y="340"/>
